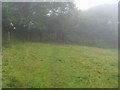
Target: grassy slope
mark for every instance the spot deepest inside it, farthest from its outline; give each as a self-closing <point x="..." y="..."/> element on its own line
<point x="43" y="65"/>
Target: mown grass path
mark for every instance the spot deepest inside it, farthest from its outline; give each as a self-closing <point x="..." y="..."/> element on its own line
<point x="43" y="65"/>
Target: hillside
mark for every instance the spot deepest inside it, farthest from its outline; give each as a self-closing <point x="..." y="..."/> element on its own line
<point x="43" y="65"/>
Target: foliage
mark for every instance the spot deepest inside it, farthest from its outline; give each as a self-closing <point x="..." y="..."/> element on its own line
<point x="60" y="22"/>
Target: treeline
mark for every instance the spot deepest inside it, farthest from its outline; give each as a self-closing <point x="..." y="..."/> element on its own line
<point x="57" y="22"/>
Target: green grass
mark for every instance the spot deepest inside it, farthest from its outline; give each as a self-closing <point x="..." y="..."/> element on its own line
<point x="43" y="65"/>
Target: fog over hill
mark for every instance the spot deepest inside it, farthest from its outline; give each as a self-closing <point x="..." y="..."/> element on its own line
<point x="101" y="21"/>
<point x="106" y="12"/>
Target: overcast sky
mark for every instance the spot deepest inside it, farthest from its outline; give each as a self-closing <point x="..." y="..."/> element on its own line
<point x="86" y="4"/>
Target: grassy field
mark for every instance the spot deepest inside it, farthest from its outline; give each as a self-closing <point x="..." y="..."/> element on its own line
<point x="43" y="65"/>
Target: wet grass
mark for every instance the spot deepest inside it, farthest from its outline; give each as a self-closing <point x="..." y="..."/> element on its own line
<point x="43" y="65"/>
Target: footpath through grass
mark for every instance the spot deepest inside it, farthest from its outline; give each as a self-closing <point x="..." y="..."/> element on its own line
<point x="42" y="65"/>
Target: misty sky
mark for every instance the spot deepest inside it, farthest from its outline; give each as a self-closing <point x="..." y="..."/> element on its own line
<point x="86" y="4"/>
